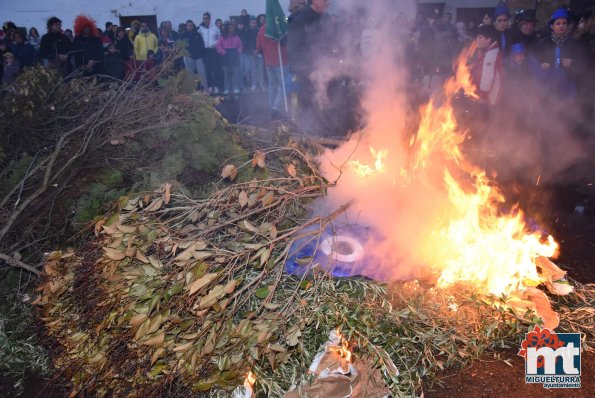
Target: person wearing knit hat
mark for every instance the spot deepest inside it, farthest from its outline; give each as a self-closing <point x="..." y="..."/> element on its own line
<point x="486" y="65"/>
<point x="501" y="20"/>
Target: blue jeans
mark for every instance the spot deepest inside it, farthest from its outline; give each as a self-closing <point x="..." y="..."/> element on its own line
<point x="276" y="101"/>
<point x="232" y="77"/>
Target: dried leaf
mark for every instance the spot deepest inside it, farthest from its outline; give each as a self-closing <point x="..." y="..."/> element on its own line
<point x="201" y="255"/>
<point x="167" y="193"/>
<point x="291" y="170"/>
<point x="243" y="198"/>
<point x="230" y="171"/>
<point x="155" y="205"/>
<point x="258" y="159"/>
<point x="98" y="226"/>
<point x="268" y="198"/>
<point x="249" y="227"/>
<point x="230" y="286"/>
<point x="278" y="348"/>
<point x="264" y="256"/>
<point x="273" y="233"/>
<point x="156" y="355"/>
<point x="186" y="254"/>
<point x="157" y="340"/>
<point x="141" y="257"/>
<point x="114" y="254"/>
<point x="202" y="282"/>
<point x="210" y="299"/>
<point x="137" y="319"/>
<point x="183" y="347"/>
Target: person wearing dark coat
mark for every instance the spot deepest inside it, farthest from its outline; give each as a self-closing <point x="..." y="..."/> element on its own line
<point x="87" y="47"/>
<point x="22" y="51"/>
<point x="307" y="41"/>
<point x="504" y="37"/>
<point x="524" y="31"/>
<point x="560" y="57"/>
<point x="194" y="59"/>
<point x="113" y="64"/>
<point x="123" y="45"/>
<point x="55" y="47"/>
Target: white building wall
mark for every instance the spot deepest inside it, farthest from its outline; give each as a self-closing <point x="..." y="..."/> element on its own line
<point x="30" y="13"/>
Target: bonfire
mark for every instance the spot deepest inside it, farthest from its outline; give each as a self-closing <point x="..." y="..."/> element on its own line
<point x="176" y="296"/>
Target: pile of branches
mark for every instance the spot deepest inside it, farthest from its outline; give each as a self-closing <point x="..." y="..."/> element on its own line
<point x="53" y="127"/>
<point x="177" y="296"/>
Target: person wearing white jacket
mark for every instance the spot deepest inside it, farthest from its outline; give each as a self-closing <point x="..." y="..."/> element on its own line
<point x="210" y="35"/>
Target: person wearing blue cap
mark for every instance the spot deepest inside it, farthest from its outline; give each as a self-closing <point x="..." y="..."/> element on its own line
<point x="501" y="20"/>
<point x="560" y="56"/>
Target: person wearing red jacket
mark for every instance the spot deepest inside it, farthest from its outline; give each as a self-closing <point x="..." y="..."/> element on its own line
<point x="270" y="51"/>
<point x="486" y="65"/>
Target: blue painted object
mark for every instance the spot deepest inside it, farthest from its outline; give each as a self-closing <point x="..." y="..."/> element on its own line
<point x="339" y="249"/>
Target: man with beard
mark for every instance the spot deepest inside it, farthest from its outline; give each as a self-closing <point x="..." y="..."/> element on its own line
<point x="55" y="47"/>
<point x="307" y="42"/>
<point x="87" y="47"/>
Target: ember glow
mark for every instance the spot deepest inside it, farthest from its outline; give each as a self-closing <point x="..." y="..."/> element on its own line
<point x="439" y="214"/>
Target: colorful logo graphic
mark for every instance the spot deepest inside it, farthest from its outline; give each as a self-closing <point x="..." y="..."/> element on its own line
<point x="552" y="359"/>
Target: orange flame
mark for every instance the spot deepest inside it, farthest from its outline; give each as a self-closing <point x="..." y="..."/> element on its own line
<point x="250" y="379"/>
<point x="365" y="170"/>
<point x="475" y="243"/>
<point x="343" y="348"/>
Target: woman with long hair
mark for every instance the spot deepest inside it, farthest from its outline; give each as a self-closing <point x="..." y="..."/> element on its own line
<point x="230" y="47"/>
<point x="34" y="38"/>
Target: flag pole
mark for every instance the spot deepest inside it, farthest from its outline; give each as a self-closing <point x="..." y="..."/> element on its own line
<point x="282" y="76"/>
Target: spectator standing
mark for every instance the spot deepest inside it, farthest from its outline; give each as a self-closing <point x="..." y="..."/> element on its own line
<point x="256" y="60"/>
<point x="195" y="53"/>
<point x="172" y="35"/>
<point x="270" y="51"/>
<point x="55" y="47"/>
<point x="245" y="57"/>
<point x="123" y="45"/>
<point x="87" y="47"/>
<point x="524" y="31"/>
<point x="11" y="69"/>
<point x="109" y="32"/>
<point x="229" y="46"/>
<point x="210" y="36"/>
<point x="486" y="65"/>
<point x="560" y="57"/>
<point x="501" y="19"/>
<point x="244" y="17"/>
<point x="144" y="42"/>
<point x="134" y="29"/>
<point x="34" y="38"/>
<point x="113" y="64"/>
<point x="23" y="52"/>
<point x="307" y="41"/>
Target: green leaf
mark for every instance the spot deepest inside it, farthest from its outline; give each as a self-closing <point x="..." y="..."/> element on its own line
<point x="262" y="293"/>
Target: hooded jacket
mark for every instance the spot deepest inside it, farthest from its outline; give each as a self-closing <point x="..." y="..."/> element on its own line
<point x="143" y="42"/>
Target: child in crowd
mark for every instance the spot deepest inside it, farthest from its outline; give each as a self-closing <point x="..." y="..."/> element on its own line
<point x="486" y="65"/>
<point x="113" y="65"/>
<point x="11" y="69"/>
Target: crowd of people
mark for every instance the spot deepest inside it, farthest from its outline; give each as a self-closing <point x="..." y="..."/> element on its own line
<point x="235" y="55"/>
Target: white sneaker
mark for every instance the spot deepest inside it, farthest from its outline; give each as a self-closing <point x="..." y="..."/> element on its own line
<point x="215" y="90"/>
<point x="236" y="91"/>
<point x="225" y="92"/>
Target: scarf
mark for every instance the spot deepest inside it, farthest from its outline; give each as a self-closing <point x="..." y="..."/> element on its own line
<point x="559" y="41"/>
